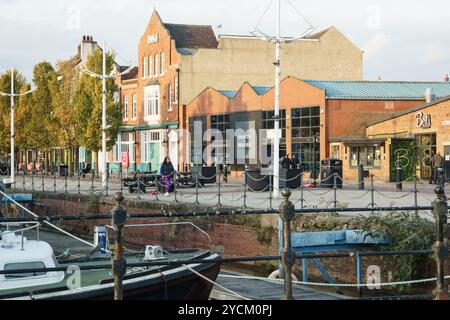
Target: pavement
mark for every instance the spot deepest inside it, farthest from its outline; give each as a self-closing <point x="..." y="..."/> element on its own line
<point x="233" y="193"/>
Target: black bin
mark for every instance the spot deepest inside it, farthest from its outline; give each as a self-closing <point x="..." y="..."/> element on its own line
<point x="257" y="181"/>
<point x="328" y="168"/>
<point x="206" y="175"/>
<point x="290" y="178"/>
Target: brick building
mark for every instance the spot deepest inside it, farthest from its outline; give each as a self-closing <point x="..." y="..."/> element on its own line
<point x="336" y="111"/>
<point x="411" y="138"/>
<point x="177" y="62"/>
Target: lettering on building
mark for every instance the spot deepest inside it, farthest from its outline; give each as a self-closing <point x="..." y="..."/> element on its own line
<point x="423" y="120"/>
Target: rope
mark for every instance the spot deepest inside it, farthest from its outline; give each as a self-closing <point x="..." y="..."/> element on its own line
<point x="214" y="283"/>
<point x="344" y="285"/>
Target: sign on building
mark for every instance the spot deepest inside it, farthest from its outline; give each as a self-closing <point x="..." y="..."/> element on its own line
<point x="423" y="120"/>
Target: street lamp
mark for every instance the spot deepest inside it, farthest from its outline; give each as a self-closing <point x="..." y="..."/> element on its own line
<point x="13" y="95"/>
<point x="104" y="76"/>
<point x="278" y="40"/>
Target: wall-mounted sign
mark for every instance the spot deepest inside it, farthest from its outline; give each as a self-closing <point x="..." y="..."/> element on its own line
<point x="446" y="123"/>
<point x="423" y="120"/>
<point x="153" y="38"/>
<point x="125" y="160"/>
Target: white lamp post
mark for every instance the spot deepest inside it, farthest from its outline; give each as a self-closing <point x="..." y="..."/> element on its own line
<point x="13" y="95"/>
<point x="278" y="40"/>
<point x="104" y="76"/>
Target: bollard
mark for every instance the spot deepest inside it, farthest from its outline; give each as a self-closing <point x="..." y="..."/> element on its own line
<point x="440" y="248"/>
<point x="416" y="191"/>
<point x="54" y="181"/>
<point x="119" y="219"/>
<point x="372" y="192"/>
<point x="121" y="177"/>
<point x="23" y="180"/>
<point x="79" y="184"/>
<point x="270" y="193"/>
<point x="361" y="177"/>
<point x="399" y="178"/>
<point x="65" y="184"/>
<point x="175" y="187"/>
<point x="92" y="180"/>
<point x="287" y="214"/>
<point x="245" y="187"/>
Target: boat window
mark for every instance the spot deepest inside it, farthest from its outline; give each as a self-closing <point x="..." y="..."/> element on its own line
<point x="24" y="266"/>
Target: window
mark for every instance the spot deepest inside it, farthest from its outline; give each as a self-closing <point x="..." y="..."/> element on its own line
<point x="147" y="138"/>
<point x="335" y="151"/>
<point x="305" y="136"/>
<point x="144" y="68"/>
<point x="163" y="63"/>
<point x="124" y="143"/>
<point x="156" y="65"/>
<point x="151" y="102"/>
<point x="369" y="156"/>
<point x="150" y="66"/>
<point x="134" y="110"/>
<point x="176" y="91"/>
<point x="24" y="266"/>
<point x="268" y="123"/>
<point x="125" y="108"/>
<point x="170" y="97"/>
<point x="221" y="123"/>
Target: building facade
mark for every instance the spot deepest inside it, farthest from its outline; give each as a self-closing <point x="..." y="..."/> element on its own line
<point x="177" y="62"/>
<point x="319" y="119"/>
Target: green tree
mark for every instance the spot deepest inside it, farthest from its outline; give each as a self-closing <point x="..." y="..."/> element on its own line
<point x="88" y="106"/>
<point x="5" y="107"/>
<point x="42" y="126"/>
<point x="63" y="94"/>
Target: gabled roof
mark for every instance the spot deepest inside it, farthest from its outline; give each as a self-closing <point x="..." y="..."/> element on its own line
<point x="133" y="74"/>
<point x="192" y="36"/>
<point x="380" y="90"/>
<point x="232" y="93"/>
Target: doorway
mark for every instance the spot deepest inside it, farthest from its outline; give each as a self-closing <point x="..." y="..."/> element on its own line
<point x="425" y="150"/>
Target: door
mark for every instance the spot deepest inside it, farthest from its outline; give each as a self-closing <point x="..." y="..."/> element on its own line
<point x="154" y="155"/>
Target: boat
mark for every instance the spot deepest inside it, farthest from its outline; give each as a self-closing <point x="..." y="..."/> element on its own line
<point x="18" y="254"/>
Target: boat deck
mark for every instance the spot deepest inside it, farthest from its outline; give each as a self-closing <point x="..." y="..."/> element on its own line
<point x="263" y="290"/>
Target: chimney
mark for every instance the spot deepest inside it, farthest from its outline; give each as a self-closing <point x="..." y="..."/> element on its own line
<point x="86" y="47"/>
<point x="429" y="95"/>
<point x="446" y="78"/>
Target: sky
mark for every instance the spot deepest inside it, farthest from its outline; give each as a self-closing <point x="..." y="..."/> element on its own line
<point x="402" y="40"/>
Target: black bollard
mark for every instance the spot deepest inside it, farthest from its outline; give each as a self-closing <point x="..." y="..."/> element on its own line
<point x="399" y="178"/>
<point x="361" y="176"/>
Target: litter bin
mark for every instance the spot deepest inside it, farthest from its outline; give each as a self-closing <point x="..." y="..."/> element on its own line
<point x="328" y="169"/>
<point x="290" y="178"/>
<point x="206" y="175"/>
<point x="256" y="181"/>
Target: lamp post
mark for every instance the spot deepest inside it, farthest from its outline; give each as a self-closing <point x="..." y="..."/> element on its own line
<point x="13" y="95"/>
<point x="278" y="40"/>
<point x="104" y="77"/>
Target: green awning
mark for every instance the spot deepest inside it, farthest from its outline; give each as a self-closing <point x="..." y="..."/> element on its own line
<point x="146" y="127"/>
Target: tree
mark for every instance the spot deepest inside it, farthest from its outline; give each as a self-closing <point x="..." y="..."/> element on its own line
<point x="42" y="125"/>
<point x="63" y="94"/>
<point x="5" y="107"/>
<point x="88" y="106"/>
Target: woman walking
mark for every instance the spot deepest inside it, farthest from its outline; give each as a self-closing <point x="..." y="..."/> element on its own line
<point x="167" y="171"/>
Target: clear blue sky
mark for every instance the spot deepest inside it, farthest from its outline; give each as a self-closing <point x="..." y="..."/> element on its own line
<point x="403" y="40"/>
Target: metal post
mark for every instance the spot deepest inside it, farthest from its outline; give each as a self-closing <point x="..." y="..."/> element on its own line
<point x="372" y="192"/>
<point x="270" y="193"/>
<point x="245" y="187"/>
<point x="54" y="181"/>
<point x="359" y="273"/>
<point x="92" y="180"/>
<point x="139" y="187"/>
<point x="13" y="178"/>
<point x="219" y="203"/>
<point x="361" y="176"/>
<point x="119" y="219"/>
<point x="65" y="183"/>
<point x="415" y="191"/>
<point x="440" y="179"/>
<point x="335" y="190"/>
<point x="440" y="248"/>
<point x="23" y="180"/>
<point x="121" y="177"/>
<point x="79" y="184"/>
<point x="302" y="192"/>
<point x="196" y="188"/>
<point x="42" y="180"/>
<point x="399" y="178"/>
<point x="32" y="179"/>
<point x="104" y="124"/>
<point x="276" y="138"/>
<point x="156" y="186"/>
<point x="287" y="214"/>
<point x="175" y="186"/>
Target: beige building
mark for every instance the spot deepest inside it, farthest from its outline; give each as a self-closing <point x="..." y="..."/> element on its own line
<point x="327" y="55"/>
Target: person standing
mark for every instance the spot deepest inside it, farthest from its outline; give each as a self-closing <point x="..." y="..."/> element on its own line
<point x="167" y="171"/>
<point x="436" y="162"/>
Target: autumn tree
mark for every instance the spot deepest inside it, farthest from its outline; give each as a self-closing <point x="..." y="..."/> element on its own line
<point x="88" y="106"/>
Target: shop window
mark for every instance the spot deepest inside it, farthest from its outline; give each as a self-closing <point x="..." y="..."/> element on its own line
<point x="221" y="123"/>
<point x="369" y="156"/>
